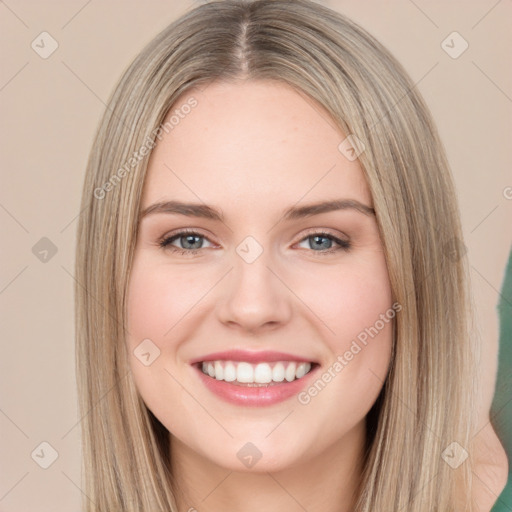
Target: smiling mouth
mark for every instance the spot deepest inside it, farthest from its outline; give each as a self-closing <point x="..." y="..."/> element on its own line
<point x="241" y="373"/>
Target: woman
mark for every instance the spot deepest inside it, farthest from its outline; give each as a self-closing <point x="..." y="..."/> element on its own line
<point x="313" y="348"/>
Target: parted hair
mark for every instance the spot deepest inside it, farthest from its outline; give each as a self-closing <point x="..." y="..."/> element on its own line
<point x="425" y="403"/>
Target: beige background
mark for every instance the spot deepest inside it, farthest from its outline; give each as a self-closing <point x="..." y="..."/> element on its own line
<point x="49" y="111"/>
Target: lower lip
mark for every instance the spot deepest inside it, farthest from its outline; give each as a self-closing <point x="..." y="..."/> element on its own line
<point x="255" y="396"/>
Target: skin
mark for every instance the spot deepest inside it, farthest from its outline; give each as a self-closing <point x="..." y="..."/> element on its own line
<point x="489" y="457"/>
<point x="491" y="467"/>
<point x="251" y="150"/>
<point x="267" y="148"/>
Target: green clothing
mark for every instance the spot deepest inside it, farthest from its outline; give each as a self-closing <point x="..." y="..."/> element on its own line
<point x="501" y="410"/>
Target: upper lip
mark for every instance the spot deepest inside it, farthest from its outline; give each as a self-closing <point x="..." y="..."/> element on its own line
<point x="261" y="356"/>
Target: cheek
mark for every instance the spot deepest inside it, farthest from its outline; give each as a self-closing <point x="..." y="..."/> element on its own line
<point x="161" y="300"/>
<point x="158" y="300"/>
<point x="350" y="299"/>
<point x="145" y="310"/>
<point x="152" y="311"/>
<point x="356" y="306"/>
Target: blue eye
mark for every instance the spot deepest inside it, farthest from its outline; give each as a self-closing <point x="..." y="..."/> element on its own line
<point x="186" y="237"/>
<point x="317" y="240"/>
<point x="192" y="243"/>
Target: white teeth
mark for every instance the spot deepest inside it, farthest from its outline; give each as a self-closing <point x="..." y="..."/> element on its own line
<point x="278" y="372"/>
<point x="229" y="372"/>
<point x="219" y="371"/>
<point x="289" y="374"/>
<point x="302" y="369"/>
<point x="261" y="373"/>
<point x="244" y="373"/>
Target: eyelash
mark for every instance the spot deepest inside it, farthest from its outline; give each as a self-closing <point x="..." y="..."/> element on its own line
<point x="165" y="242"/>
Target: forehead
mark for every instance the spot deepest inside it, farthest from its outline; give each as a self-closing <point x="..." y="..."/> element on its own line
<point x="251" y="143"/>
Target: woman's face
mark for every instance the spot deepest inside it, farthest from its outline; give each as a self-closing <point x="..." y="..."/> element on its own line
<point x="261" y="293"/>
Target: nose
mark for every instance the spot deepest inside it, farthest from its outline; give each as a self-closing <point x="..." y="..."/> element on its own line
<point x="253" y="297"/>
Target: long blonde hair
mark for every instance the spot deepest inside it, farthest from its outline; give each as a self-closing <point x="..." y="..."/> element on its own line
<point x="425" y="404"/>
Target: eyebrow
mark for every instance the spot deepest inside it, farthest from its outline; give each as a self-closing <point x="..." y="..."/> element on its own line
<point x="293" y="213"/>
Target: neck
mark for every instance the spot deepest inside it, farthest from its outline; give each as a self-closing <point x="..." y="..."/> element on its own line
<point x="326" y="482"/>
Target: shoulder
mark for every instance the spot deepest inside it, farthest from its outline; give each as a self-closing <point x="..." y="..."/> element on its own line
<point x="489" y="468"/>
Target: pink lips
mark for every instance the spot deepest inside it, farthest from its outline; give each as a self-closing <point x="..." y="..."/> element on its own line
<point x="258" y="396"/>
<point x="266" y="356"/>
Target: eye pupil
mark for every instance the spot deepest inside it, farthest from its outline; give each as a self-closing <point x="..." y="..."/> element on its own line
<point x="320" y="237"/>
<point x="190" y="239"/>
<point x="192" y="243"/>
